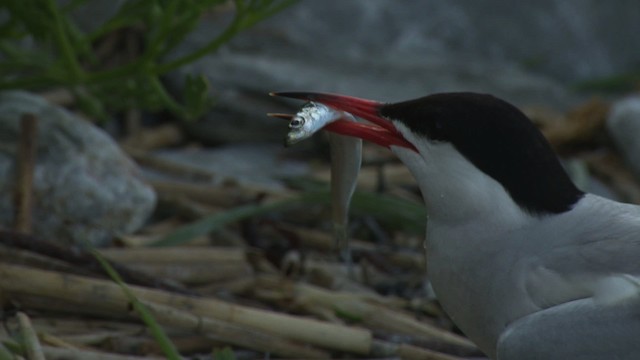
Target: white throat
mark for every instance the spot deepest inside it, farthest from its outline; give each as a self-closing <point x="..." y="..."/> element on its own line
<point x="455" y="192"/>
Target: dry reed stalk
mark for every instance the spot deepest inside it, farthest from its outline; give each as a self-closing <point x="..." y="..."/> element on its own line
<point x="48" y="339"/>
<point x="28" y="258"/>
<point x="219" y="196"/>
<point x="196" y="273"/>
<point x="31" y="343"/>
<point x="338" y="276"/>
<point x="96" y="337"/>
<point x="16" y="280"/>
<point x="176" y="255"/>
<point x="234" y="286"/>
<point x="408" y="352"/>
<point x="76" y="326"/>
<point x="133" y="123"/>
<point x="322" y="240"/>
<point x="155" y="138"/>
<point x="26" y="160"/>
<point x="59" y="96"/>
<point x="54" y="353"/>
<point x="80" y="257"/>
<point x="186" y="344"/>
<point x="181" y="320"/>
<point x="372" y="314"/>
<point x="141" y="344"/>
<point x="169" y="167"/>
<point x="579" y="126"/>
<point x="154" y="232"/>
<point x="368" y="179"/>
<point x="211" y="195"/>
<point x="183" y="207"/>
<point x="611" y="168"/>
<point x="230" y="333"/>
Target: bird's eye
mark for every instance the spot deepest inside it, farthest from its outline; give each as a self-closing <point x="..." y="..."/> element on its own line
<point x="296" y="123"/>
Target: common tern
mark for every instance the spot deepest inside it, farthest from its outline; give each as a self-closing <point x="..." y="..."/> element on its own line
<point x="527" y="265"/>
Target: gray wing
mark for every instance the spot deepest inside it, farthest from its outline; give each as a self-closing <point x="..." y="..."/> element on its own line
<point x="587" y="287"/>
<point x="600" y="259"/>
<point x="582" y="329"/>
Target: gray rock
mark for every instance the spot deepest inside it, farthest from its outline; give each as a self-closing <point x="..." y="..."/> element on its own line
<point x="85" y="188"/>
<point x="260" y="165"/>
<point x="566" y="39"/>
<point x="526" y="52"/>
<point x="623" y="123"/>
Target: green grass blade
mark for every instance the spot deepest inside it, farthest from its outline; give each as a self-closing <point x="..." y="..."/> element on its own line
<point x="167" y="347"/>
<point x="218" y="220"/>
<point x="392" y="211"/>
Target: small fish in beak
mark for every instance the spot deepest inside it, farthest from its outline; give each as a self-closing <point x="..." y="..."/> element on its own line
<point x="346" y="157"/>
<point x="309" y="120"/>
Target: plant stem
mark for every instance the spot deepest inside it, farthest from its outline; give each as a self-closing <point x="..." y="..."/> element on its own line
<point x="168" y="348"/>
<point x="226" y="35"/>
<point x="167" y="100"/>
<point x="62" y="40"/>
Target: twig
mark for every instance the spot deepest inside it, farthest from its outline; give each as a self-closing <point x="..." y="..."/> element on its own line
<point x="18" y="281"/>
<point x="24" y="180"/>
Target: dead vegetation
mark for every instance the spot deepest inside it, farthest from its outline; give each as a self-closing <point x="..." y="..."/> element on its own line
<point x="248" y="268"/>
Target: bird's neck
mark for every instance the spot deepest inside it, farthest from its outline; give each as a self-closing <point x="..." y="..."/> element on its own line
<point x="456" y="193"/>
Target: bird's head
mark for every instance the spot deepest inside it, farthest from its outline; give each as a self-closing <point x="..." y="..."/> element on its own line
<point x="461" y="145"/>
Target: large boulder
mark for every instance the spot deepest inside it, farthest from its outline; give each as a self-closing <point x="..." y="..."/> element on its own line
<point x="85" y="189"/>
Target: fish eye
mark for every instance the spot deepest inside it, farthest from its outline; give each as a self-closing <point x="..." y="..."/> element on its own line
<point x="296" y="123"/>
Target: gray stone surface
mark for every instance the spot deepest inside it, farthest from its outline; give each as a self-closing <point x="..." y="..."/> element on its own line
<point x="623" y="124"/>
<point x="527" y="52"/>
<point x="567" y="39"/>
<point x="85" y="188"/>
<point x="260" y="165"/>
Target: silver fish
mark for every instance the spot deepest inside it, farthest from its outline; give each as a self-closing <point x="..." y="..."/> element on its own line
<point x="346" y="158"/>
<point x="311" y="118"/>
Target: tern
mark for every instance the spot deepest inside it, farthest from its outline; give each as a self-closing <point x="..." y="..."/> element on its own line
<point x="527" y="265"/>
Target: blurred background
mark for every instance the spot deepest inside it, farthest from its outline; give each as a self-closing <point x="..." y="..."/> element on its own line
<point x="139" y="128"/>
<point x="539" y="53"/>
